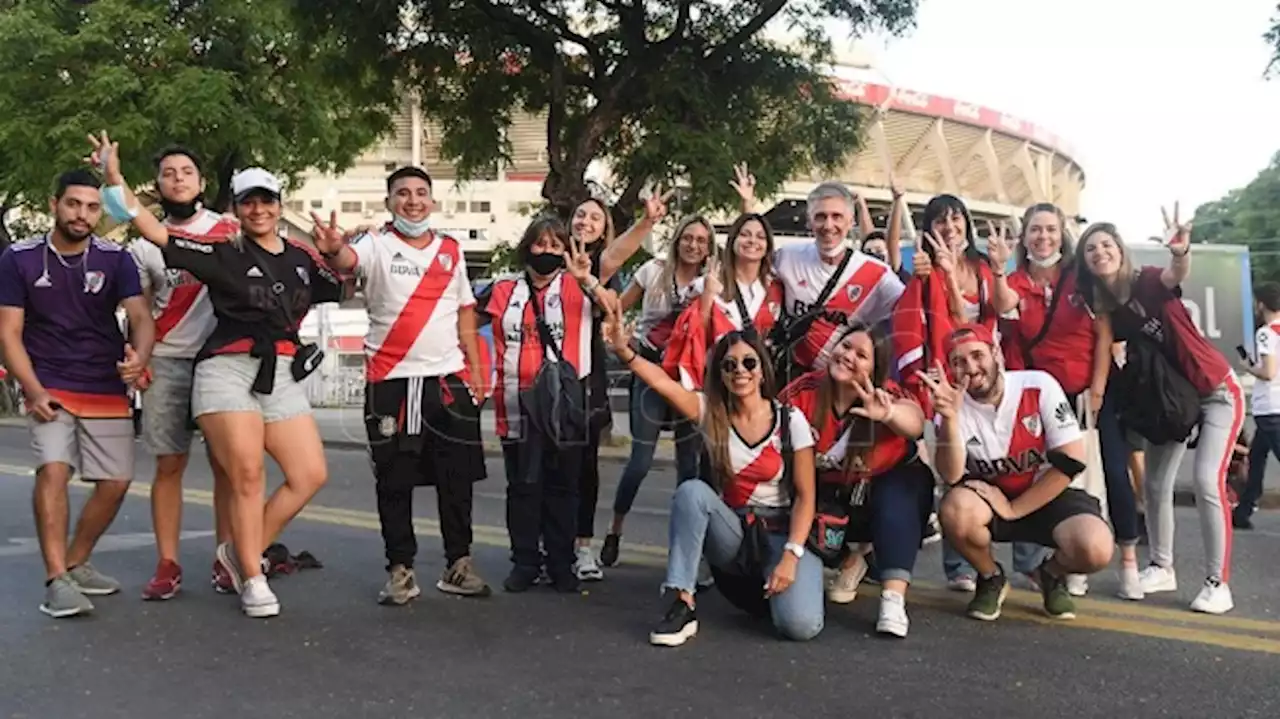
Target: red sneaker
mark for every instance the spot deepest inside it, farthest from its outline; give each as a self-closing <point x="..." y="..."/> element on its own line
<point x="166" y="582"/>
<point x="221" y="580"/>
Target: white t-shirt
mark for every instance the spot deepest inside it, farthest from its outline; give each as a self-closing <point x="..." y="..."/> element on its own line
<point x="656" y="303"/>
<point x="1008" y="444"/>
<point x="758" y="469"/>
<point x="413" y="297"/>
<point x="1266" y="394"/>
<point x="179" y="302"/>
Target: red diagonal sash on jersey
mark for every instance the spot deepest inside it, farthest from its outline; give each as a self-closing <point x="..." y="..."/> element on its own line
<point x="180" y="301"/>
<point x="416" y="313"/>
<point x="846" y="300"/>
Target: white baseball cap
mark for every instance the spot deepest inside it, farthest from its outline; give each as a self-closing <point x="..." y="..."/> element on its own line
<point x="254" y="178"/>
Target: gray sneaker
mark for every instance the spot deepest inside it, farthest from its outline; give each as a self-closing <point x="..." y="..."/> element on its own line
<point x="461" y="578"/>
<point x="63" y="599"/>
<point x="401" y="587"/>
<point x="91" y="582"/>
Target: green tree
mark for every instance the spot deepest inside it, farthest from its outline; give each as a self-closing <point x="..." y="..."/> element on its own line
<point x="232" y="79"/>
<point x="667" y="90"/>
<point x="1247" y="216"/>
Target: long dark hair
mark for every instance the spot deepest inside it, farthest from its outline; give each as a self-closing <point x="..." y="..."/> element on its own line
<point x="721" y="403"/>
<point x="729" y="257"/>
<point x="1068" y="245"/>
<point x="1091" y="287"/>
<point x="941" y="206"/>
<point x="861" y="430"/>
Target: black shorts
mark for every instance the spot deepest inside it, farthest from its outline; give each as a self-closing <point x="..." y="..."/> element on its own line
<point x="1037" y="527"/>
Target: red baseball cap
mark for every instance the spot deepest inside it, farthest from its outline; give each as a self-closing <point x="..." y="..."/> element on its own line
<point x="972" y="332"/>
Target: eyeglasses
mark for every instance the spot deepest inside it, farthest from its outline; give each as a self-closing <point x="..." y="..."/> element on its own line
<point x="749" y="364"/>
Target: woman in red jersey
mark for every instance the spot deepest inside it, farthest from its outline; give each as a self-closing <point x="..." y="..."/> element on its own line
<point x="866" y="430"/>
<point x="1051" y="329"/>
<point x="1144" y="309"/>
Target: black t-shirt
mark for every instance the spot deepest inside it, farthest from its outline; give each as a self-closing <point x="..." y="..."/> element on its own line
<point x="246" y="284"/>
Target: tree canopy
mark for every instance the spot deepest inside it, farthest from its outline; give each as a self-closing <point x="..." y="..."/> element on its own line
<point x="1247" y="216"/>
<point x="234" y="80"/>
<point x="665" y="89"/>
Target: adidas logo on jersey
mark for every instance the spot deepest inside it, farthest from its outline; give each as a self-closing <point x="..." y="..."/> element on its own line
<point x="973" y="442"/>
<point x="397" y="257"/>
<point x="253" y="272"/>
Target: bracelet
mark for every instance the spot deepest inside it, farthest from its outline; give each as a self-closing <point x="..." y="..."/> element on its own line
<point x="1182" y="254"/>
<point x="590" y="287"/>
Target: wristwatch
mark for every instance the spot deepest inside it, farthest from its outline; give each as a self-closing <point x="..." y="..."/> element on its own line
<point x="796" y="549"/>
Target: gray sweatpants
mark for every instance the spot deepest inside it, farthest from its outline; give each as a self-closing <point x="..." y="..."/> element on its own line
<point x="1222" y="414"/>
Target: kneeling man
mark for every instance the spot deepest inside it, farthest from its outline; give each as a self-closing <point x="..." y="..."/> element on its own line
<point x="1009" y="446"/>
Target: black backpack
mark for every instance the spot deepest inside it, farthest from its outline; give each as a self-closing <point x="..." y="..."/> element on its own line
<point x="556" y="404"/>
<point x="1155" y="399"/>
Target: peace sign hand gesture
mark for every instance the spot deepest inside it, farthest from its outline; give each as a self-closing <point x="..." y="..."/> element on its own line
<point x="106" y="157"/>
<point x="947" y="397"/>
<point x="745" y="184"/>
<point x="875" y="404"/>
<point x="655" y="206"/>
<point x="711" y="285"/>
<point x="997" y="245"/>
<point x="943" y="258"/>
<point x="328" y="238"/>
<point x="1177" y="236"/>
<point x="577" y="260"/>
<point x="615" y="330"/>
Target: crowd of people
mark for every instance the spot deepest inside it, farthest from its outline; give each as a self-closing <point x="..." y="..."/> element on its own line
<point x="799" y="382"/>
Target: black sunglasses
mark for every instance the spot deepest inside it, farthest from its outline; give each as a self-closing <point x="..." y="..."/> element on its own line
<point x="749" y="364"/>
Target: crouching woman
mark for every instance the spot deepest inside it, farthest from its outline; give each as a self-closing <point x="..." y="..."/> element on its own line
<point x="751" y="517"/>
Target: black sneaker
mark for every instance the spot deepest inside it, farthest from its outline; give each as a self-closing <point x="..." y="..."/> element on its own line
<point x="1241" y="521"/>
<point x="564" y="581"/>
<point x="609" y="552"/>
<point x="677" y="627"/>
<point x="521" y="579"/>
<point x="988" y="597"/>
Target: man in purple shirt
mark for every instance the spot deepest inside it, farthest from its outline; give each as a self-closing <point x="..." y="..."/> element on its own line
<point x="61" y="340"/>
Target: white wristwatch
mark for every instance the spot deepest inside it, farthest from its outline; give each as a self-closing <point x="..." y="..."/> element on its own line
<point x="796" y="549"/>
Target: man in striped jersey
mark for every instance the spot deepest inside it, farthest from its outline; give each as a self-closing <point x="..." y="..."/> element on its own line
<point x="184" y="320"/>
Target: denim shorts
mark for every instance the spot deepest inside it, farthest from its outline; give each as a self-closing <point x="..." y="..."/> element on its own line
<point x="224" y="383"/>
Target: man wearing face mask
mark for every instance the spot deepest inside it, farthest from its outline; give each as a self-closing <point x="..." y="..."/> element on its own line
<point x="425" y="381"/>
<point x="184" y="320"/>
<point x="829" y="285"/>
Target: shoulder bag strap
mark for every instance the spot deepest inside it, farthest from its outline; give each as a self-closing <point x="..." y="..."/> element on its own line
<point x="787" y="449"/>
<point x="544" y="332"/>
<point x="1044" y="328"/>
<point x="748" y="323"/>
<point x="835" y="278"/>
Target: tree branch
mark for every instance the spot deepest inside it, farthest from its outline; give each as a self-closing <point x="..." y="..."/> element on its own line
<point x="768" y="11"/>
<point x="562" y="25"/>
<point x="682" y="23"/>
<point x="555" y="117"/>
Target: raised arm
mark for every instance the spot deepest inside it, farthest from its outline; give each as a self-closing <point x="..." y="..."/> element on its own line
<point x="1179" y="243"/>
<point x="893" y="240"/>
<point x="865" y="224"/>
<point x="618" y="335"/>
<point x="118" y="200"/>
<point x="949" y="456"/>
<point x="622" y="248"/>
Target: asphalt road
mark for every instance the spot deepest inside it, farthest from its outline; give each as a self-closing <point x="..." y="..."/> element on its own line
<point x="335" y="653"/>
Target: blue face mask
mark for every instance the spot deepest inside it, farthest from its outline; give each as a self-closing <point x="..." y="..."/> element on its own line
<point x="113" y="202"/>
<point x="409" y="228"/>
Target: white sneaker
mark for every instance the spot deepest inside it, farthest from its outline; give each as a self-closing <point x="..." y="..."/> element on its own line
<point x="893" y="614"/>
<point x="844" y="588"/>
<point x="1156" y="578"/>
<point x="1214" y="598"/>
<point x="257" y="600"/>
<point x="1130" y="584"/>
<point x="586" y="566"/>
<point x="962" y="583"/>
<point x="1077" y="584"/>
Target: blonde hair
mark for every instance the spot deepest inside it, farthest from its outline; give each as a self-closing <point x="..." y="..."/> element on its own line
<point x="608" y="235"/>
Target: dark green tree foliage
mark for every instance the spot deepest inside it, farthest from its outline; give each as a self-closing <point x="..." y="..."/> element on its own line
<point x="232" y="79"/>
<point x="665" y="89"/>
<point x="1247" y="216"/>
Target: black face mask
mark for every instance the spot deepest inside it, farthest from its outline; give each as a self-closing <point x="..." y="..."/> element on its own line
<point x="180" y="210"/>
<point x="546" y="263"/>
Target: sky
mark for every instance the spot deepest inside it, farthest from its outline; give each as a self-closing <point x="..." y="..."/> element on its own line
<point x="1160" y="101"/>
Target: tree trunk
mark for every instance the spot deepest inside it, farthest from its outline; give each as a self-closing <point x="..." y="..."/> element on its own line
<point x="225" y="167"/>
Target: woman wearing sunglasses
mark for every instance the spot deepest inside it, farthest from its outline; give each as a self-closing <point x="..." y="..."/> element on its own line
<point x="747" y="433"/>
<point x="866" y="430"/>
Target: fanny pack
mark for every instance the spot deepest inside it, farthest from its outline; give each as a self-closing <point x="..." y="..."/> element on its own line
<point x="831" y="520"/>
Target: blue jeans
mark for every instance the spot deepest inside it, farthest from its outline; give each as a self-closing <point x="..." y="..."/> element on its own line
<point x="702" y="522"/>
<point x="893" y="521"/>
<point x="1121" y="504"/>
<point x="1266" y="440"/>
<point x="648" y="413"/>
